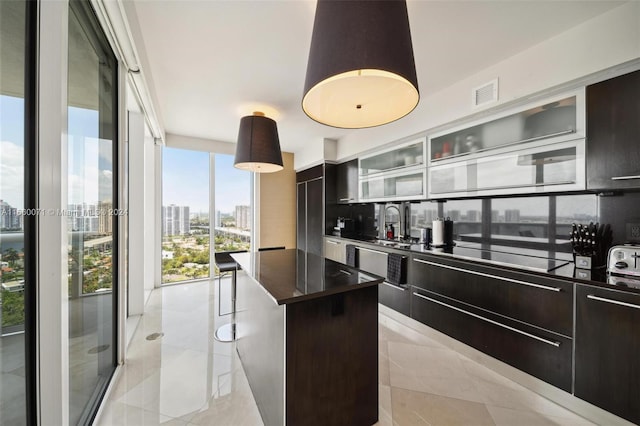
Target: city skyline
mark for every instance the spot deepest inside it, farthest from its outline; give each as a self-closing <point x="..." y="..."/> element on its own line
<point x="233" y="186"/>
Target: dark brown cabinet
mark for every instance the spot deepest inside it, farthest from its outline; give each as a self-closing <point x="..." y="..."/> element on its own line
<point x="533" y="350"/>
<point x="310" y="202"/>
<point x="316" y="207"/>
<point x="540" y="301"/>
<point x="521" y="319"/>
<point x="347" y="182"/>
<point x="613" y="133"/>
<point x="395" y="297"/>
<point x="607" y="350"/>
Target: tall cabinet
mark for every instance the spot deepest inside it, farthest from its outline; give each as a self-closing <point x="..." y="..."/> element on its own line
<point x="314" y="215"/>
<point x="314" y="187"/>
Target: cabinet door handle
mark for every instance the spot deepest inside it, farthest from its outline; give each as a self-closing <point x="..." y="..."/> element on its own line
<point x="524" y="333"/>
<point x="615" y="302"/>
<point x="345" y="199"/>
<point x="625" y="177"/>
<point x="332" y="242"/>
<point x="373" y="251"/>
<point x="394" y="286"/>
<point x="482" y="274"/>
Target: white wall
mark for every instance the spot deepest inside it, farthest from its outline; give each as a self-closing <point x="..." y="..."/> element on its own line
<point x="316" y="153"/>
<point x="150" y="239"/>
<point x="137" y="214"/>
<point x="600" y="43"/>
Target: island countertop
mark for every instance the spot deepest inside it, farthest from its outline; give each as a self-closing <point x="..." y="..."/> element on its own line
<point x="291" y="275"/>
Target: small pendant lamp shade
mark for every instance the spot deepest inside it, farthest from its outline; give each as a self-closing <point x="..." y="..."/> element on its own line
<point x="258" y="148"/>
<point x="361" y="71"/>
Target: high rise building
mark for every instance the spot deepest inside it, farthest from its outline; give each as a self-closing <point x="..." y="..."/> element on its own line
<point x="105" y="218"/>
<point x="175" y="220"/>
<point x="9" y="218"/>
<point x="512" y="215"/>
<point x="218" y="219"/>
<point x="243" y="217"/>
<point x="473" y="215"/>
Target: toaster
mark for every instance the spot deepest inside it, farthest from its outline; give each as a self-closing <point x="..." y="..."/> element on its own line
<point x="624" y="260"/>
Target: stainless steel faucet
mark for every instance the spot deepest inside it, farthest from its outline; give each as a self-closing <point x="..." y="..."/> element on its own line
<point x="399" y="227"/>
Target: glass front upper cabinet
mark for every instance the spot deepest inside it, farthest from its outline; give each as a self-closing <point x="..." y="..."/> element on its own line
<point x="397" y="173"/>
<point x="556" y="120"/>
<point x="551" y="168"/>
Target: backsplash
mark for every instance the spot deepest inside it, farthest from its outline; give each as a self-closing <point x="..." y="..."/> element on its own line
<point x="516" y="221"/>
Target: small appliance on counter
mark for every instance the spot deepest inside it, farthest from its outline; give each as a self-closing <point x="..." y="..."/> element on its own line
<point x="624" y="260"/>
<point x="344" y="227"/>
<point x="623" y="266"/>
<point x="442" y="233"/>
<point x="590" y="244"/>
<point x="425" y="236"/>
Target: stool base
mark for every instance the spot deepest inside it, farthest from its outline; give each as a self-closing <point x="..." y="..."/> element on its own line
<point x="225" y="333"/>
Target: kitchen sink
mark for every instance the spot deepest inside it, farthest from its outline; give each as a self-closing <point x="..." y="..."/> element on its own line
<point x="393" y="244"/>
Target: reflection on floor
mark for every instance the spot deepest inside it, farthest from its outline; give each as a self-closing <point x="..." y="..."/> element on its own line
<point x="188" y="378"/>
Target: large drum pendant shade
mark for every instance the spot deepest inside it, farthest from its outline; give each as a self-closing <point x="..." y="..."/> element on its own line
<point x="361" y="70"/>
<point x="258" y="148"/>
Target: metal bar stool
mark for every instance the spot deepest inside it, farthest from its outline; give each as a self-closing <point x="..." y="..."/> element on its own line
<point x="225" y="264"/>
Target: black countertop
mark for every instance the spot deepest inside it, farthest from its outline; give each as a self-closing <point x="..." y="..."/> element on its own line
<point x="549" y="263"/>
<point x="290" y="276"/>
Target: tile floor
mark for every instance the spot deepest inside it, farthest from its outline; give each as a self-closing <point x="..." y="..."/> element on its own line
<point x="188" y="378"/>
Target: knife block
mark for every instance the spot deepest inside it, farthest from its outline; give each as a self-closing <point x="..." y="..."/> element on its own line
<point x="584" y="262"/>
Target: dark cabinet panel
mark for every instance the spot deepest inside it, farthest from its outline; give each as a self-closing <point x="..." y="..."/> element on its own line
<point x="315" y="224"/>
<point x="607" y="348"/>
<point x="347" y="182"/>
<point x="538" y="352"/>
<point x="301" y="219"/>
<point x="613" y="133"/>
<point x="395" y="297"/>
<point x="540" y="301"/>
<point x="310" y="227"/>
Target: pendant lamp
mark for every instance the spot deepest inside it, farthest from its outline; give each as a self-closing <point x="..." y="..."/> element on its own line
<point x="361" y="72"/>
<point x="258" y="148"/>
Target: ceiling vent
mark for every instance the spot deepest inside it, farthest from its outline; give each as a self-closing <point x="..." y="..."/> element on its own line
<point x="485" y="94"/>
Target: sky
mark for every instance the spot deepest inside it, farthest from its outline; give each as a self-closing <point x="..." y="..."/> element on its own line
<point x="12" y="150"/>
<point x="185" y="172"/>
<point x="90" y="164"/>
<point x="185" y="181"/>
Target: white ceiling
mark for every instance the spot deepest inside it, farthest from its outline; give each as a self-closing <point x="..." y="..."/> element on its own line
<point x="213" y="62"/>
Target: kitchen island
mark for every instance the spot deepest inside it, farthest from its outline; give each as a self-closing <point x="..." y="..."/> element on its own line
<point x="307" y="337"/>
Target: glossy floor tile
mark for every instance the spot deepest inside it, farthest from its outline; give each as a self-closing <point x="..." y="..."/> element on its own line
<point x="185" y="377"/>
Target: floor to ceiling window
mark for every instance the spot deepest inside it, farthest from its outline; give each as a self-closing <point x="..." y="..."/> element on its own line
<point x="187" y="207"/>
<point x="92" y="211"/>
<point x="13" y="365"/>
<point x="185" y="215"/>
<point x="233" y="212"/>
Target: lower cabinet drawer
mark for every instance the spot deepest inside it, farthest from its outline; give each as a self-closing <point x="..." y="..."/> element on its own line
<point x="373" y="261"/>
<point x="543" y="302"/>
<point x="536" y="351"/>
<point x="395" y="297"/>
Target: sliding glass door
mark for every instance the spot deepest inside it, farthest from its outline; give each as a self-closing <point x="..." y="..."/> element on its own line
<point x="92" y="211"/>
<point x="14" y="261"/>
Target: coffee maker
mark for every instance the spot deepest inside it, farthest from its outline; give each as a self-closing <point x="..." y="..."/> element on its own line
<point x="344" y="227"/>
